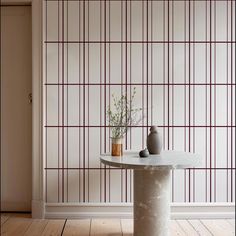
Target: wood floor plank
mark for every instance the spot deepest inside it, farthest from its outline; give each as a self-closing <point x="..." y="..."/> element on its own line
<point x="4" y="218"/>
<point x="105" y="227"/>
<point x="199" y="227"/>
<point x="176" y="230"/>
<point x="53" y="228"/>
<point x="15" y="226"/>
<point x="219" y="227"/>
<point x="187" y="227"/>
<point x="77" y="227"/>
<point x="36" y="228"/>
<point x="127" y="227"/>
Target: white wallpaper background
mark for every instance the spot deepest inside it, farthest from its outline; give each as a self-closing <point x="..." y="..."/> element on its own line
<point x="180" y="56"/>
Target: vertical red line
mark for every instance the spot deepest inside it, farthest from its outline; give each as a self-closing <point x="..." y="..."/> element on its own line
<point x="215" y="101"/>
<point x="194" y="96"/>
<point x="227" y="102"/>
<point x="168" y="77"/>
<point x="143" y="72"/>
<point x="210" y="107"/>
<point x="130" y="53"/>
<point x="172" y="75"/>
<point x="109" y="88"/>
<point x="147" y="65"/>
<point x="126" y="89"/>
<point x="206" y="110"/>
<point x="130" y="61"/>
<point x="63" y="105"/>
<point x="168" y="86"/>
<point x="105" y="104"/>
<point x="231" y="123"/>
<point x="151" y="63"/>
<point x="164" y="76"/>
<point x="185" y="96"/>
<point x="234" y="88"/>
<point x="126" y="59"/>
<point x="234" y="92"/>
<point x="121" y="12"/>
<point x="58" y="91"/>
<point x="172" y="94"/>
<point x="84" y="74"/>
<point x="46" y="101"/>
<point x="67" y="54"/>
<point x="189" y="102"/>
<point x="88" y="107"/>
<point x="79" y="100"/>
<point x="100" y="51"/>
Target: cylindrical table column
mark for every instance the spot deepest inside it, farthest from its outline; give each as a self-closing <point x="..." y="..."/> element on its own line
<point x="151" y="202"/>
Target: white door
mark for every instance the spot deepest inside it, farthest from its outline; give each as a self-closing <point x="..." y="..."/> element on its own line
<point x="16" y="110"/>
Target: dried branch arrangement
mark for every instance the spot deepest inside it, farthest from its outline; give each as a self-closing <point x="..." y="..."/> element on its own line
<point x="122" y="115"/>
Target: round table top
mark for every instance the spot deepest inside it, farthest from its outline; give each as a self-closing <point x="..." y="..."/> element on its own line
<point x="167" y="159"/>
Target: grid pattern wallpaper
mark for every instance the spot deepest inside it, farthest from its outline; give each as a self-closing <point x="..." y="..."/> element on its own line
<point x="180" y="56"/>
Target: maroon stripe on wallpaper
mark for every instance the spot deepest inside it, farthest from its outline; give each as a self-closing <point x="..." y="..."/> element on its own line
<point x="185" y="96"/>
<point x="84" y="105"/>
<point x="79" y="102"/>
<point x="140" y="42"/>
<point x="100" y="90"/>
<point x="109" y="93"/>
<point x="139" y="84"/>
<point x="143" y="126"/>
<point x="189" y="95"/>
<point x="58" y="90"/>
<point x="168" y="80"/>
<point x="137" y="0"/>
<point x="130" y="75"/>
<point x="194" y="77"/>
<point x="67" y="103"/>
<point x="215" y="107"/>
<point x="45" y="102"/>
<point x="172" y="93"/>
<point x="231" y="118"/>
<point x="105" y="89"/>
<point x="227" y="99"/>
<point x="210" y="64"/>
<point x="88" y="107"/>
<point x="233" y="190"/>
<point x="121" y="85"/>
<point x="117" y="168"/>
<point x="63" y="102"/>
<point x="206" y="103"/>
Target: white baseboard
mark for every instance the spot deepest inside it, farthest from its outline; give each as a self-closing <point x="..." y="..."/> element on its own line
<point x="125" y="210"/>
<point x="38" y="209"/>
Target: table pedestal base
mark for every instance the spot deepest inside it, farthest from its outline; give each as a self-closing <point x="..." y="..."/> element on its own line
<point x="151" y="202"/>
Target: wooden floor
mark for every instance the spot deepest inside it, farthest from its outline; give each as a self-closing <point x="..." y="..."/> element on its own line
<point x="21" y="224"/>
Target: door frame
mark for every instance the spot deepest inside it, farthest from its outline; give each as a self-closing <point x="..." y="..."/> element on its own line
<point x="37" y="204"/>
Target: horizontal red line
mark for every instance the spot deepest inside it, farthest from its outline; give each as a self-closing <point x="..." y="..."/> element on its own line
<point x="135" y="0"/>
<point x="140" y="126"/>
<point x="117" y="168"/>
<point x="130" y="42"/>
<point x="139" y="84"/>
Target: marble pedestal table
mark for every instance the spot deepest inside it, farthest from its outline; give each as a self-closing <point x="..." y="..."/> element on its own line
<point x="152" y="187"/>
